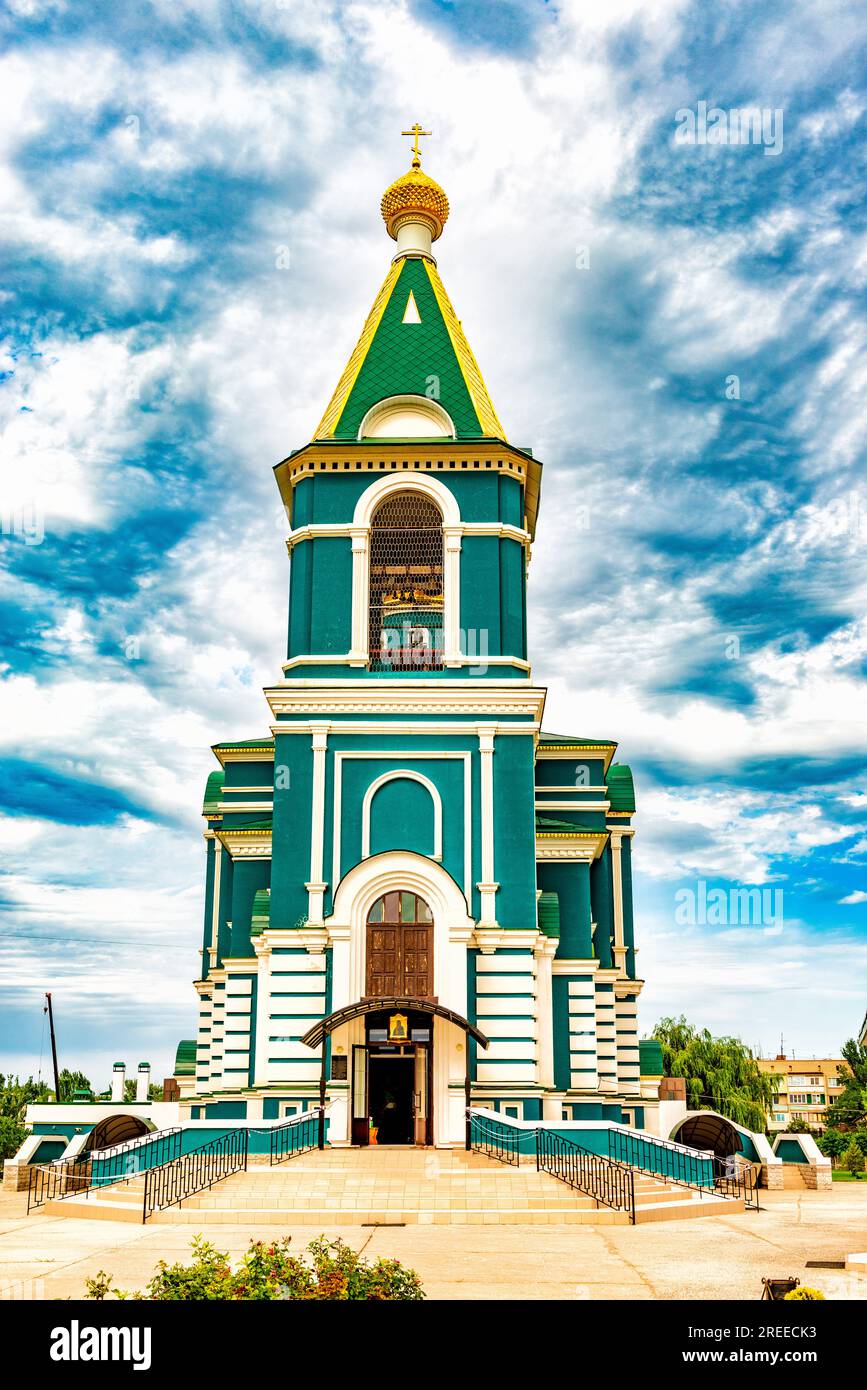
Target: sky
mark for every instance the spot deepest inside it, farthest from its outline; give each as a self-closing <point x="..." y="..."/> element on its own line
<point x="672" y="318"/>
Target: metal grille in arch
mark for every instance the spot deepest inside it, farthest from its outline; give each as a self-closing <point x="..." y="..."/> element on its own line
<point x="406" y="584"/>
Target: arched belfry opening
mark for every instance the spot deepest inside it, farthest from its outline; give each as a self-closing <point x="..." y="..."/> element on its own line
<point x="406" y="584"/>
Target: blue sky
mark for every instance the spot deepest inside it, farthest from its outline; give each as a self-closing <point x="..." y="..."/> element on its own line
<point x="190" y="225"/>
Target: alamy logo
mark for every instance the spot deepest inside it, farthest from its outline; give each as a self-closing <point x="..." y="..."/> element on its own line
<point x="77" y="1343"/>
<point x="743" y="125"/>
<point x="739" y="907"/>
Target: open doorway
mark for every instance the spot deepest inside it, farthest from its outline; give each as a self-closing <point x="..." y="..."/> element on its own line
<point x="391" y="1097"/>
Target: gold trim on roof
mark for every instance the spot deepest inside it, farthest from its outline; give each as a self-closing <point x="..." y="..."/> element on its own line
<point x="475" y="382"/>
<point x="328" y="423"/>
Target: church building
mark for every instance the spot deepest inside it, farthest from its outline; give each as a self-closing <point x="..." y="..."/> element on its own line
<point x="414" y="896"/>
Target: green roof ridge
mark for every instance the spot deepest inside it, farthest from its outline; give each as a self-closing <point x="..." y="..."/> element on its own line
<point x="213" y="793"/>
<point x="621" y="789"/>
<point x="185" y="1058"/>
<point x="548" y="912"/>
<point x="261" y="911"/>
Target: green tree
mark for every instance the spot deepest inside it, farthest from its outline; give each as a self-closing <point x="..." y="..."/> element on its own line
<point x="849" y="1108"/>
<point x="15" y="1095"/>
<point x="853" y="1160"/>
<point x="12" y="1136"/>
<point x="72" y="1081"/>
<point x="832" y="1142"/>
<point x="720" y="1073"/>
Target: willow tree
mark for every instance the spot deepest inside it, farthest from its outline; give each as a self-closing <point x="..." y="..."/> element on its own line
<point x="720" y="1073"/>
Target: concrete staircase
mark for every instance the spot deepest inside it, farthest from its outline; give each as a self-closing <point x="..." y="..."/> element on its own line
<point x="394" y="1186"/>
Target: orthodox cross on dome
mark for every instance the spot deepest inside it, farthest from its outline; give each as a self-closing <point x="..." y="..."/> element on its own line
<point x="415" y="131"/>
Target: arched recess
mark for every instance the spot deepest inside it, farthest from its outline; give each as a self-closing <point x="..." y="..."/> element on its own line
<point x="446" y="503"/>
<point x="407" y="417"/>
<point x="371" y="879"/>
<point x="408" y="775"/>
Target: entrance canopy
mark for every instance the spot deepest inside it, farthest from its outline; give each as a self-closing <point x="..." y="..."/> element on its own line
<point x="313" y="1037"/>
<point x="708" y="1130"/>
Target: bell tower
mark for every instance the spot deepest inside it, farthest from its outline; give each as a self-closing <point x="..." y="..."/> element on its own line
<point x="411" y="513"/>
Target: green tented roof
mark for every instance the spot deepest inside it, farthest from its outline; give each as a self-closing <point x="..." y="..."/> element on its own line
<point x="650" y="1057"/>
<point x="549" y="914"/>
<point x="213" y="793"/>
<point x="404" y="359"/>
<point x="621" y="791"/>
<point x="546" y="826"/>
<point x="261" y="911"/>
<point x="185" y="1058"/>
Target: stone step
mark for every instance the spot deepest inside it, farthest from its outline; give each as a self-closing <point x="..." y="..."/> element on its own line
<point x="392" y="1187"/>
<point x="688" y="1208"/>
<point x="324" y="1218"/>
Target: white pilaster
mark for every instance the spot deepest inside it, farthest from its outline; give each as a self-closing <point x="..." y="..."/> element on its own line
<point x="452" y="595"/>
<point x="360" y="596"/>
<point x="316" y="887"/>
<point x="544" y="954"/>
<point x="619" y="947"/>
<point x="487" y="887"/>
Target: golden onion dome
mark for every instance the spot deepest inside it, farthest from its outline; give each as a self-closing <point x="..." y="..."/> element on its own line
<point x="414" y="197"/>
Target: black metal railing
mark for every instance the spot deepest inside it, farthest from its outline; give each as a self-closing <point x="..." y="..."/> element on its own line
<point x="91" y="1170"/>
<point x="660" y="1158"/>
<point x="296" y="1136"/>
<point x="608" y="1182"/>
<point x="703" y="1171"/>
<point x="736" y="1177"/>
<point x="62" y="1178"/>
<point x="497" y="1140"/>
<point x="194" y="1172"/>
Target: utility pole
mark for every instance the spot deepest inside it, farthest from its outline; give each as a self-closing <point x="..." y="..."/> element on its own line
<point x="50" y="1012"/>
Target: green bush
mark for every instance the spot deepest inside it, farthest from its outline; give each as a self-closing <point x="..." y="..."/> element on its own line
<point x="803" y="1294"/>
<point x="329" y="1270"/>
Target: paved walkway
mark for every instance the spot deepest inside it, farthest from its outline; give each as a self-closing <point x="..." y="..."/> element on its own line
<point x="715" y="1257"/>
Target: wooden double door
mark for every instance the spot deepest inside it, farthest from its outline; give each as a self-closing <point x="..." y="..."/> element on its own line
<point x="400" y="948"/>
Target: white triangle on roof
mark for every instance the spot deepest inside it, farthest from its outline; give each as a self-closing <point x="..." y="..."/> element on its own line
<point x="411" y="313"/>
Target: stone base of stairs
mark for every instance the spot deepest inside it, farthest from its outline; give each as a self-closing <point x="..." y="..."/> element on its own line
<point x="394" y="1186"/>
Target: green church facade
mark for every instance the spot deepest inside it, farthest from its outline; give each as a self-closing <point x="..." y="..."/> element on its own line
<point x="403" y="845"/>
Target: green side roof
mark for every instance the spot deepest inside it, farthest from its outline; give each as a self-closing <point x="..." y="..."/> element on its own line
<point x="549" y="914"/>
<point x="576" y="741"/>
<point x="213" y="793"/>
<point x="621" y="790"/>
<point x="650" y="1057"/>
<point x="242" y="743"/>
<point x="185" y="1058"/>
<point x="261" y="911"/>
<point x="546" y="826"/>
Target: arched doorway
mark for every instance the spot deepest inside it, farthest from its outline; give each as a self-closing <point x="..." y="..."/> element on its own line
<point x="400" y="948"/>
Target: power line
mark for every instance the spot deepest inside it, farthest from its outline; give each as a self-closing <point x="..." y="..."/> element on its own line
<point x="98" y="940"/>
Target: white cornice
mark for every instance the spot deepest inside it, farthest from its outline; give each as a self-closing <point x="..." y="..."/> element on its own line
<point x="434" y="697"/>
<point x="246" y="844"/>
<point x="349" y="529"/>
